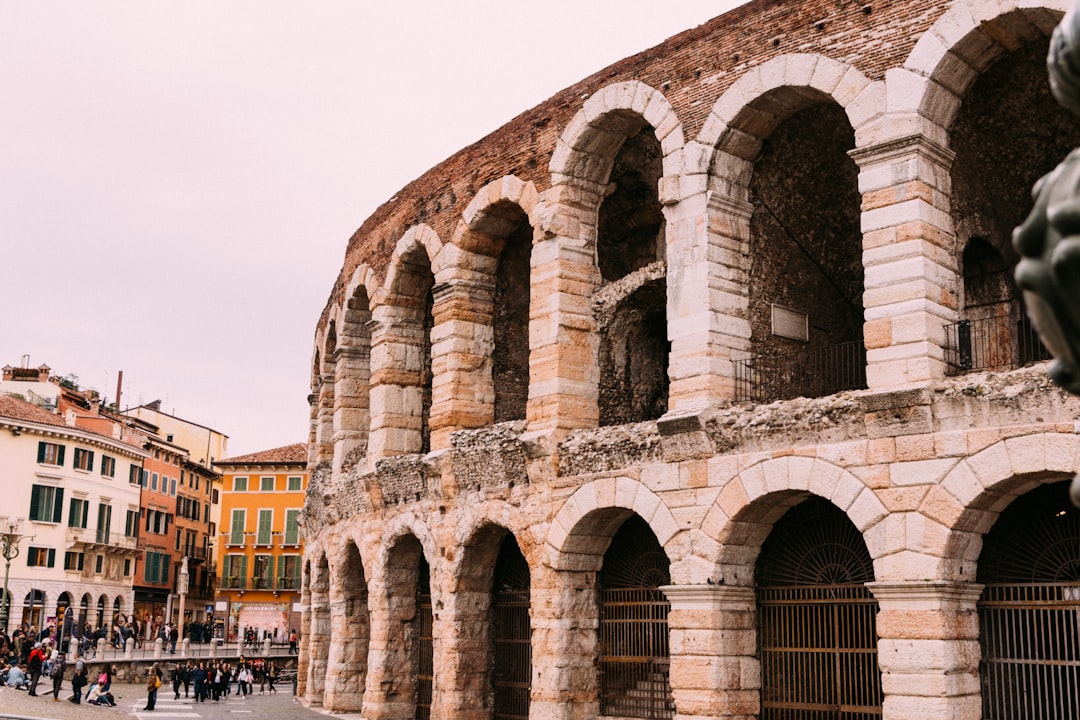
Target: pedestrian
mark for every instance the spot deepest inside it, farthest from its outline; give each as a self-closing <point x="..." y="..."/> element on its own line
<point x="57" y="665"/>
<point x="199" y="679"/>
<point x="153" y="682"/>
<point x="271" y="676"/>
<point x="78" y="679"/>
<point x="292" y="642"/>
<point x="174" y="635"/>
<point x="189" y="672"/>
<point x="177" y="680"/>
<point x="34" y="665"/>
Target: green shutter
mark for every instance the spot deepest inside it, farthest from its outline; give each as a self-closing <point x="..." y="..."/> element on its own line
<point x="236" y="527"/>
<point x="90" y="460"/>
<point x="41" y="452"/>
<point x="292" y="529"/>
<point x="60" y="456"/>
<point x="52" y="558"/>
<point x="58" y="505"/>
<point x="243" y="572"/>
<point x="35" y="502"/>
<point x="266" y="519"/>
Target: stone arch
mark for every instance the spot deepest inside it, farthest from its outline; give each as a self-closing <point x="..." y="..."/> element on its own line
<point x="966" y="40"/>
<point x="401" y="377"/>
<point x="752" y="501"/>
<point x="352" y="380"/>
<point x="324" y="371"/>
<point x="580" y="532"/>
<point x="968" y="500"/>
<point x="349" y="631"/>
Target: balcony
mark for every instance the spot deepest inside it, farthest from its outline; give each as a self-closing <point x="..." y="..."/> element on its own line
<point x="261" y="540"/>
<point x="232" y="583"/>
<point x="288" y="583"/>
<point x="194" y="554"/>
<point x="1002" y="342"/>
<point x="810" y="372"/>
<point x="237" y="539"/>
<point x="103" y="540"/>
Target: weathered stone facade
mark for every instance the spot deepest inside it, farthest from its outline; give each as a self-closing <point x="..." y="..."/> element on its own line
<point x="760" y="267"/>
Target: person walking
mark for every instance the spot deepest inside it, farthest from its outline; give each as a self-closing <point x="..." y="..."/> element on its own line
<point x="33" y="665"/>
<point x="292" y="642"/>
<point x="271" y="676"/>
<point x="189" y="673"/>
<point x="199" y="677"/>
<point x="57" y="665"/>
<point x="78" y="679"/>
<point x="177" y="680"/>
<point x="153" y="682"/>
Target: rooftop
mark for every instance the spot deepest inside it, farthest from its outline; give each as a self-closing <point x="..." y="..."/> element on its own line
<point x="296" y="454"/>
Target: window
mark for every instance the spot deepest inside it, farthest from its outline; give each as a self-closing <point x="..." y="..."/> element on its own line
<point x="108" y="466"/>
<point x="153" y="481"/>
<point x="50" y="453"/>
<point x="262" y="571"/>
<point x="157" y="567"/>
<point x="266" y="522"/>
<point x="236" y="527"/>
<point x="289" y="572"/>
<point x="196" y="477"/>
<point x="131" y="523"/>
<point x="40" y="557"/>
<point x="239" y="484"/>
<point x="214" y="498"/>
<point x="104" y="522"/>
<point x="295" y="484"/>
<point x="235" y="572"/>
<point x="181" y="478"/>
<point x="127" y="567"/>
<point x="173" y="490"/>
<point x="144" y="478"/>
<point x="99" y="564"/>
<point x="178" y="539"/>
<point x="84" y="459"/>
<point x="292" y="527"/>
<point x="77" y="512"/>
<point x="73" y="561"/>
<point x="266" y="484"/>
<point x="46" y="503"/>
<point x="134" y="472"/>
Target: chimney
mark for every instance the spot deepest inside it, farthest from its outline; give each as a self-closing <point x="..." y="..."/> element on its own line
<point x="9" y="372"/>
<point x="69" y="417"/>
<point x="119" y="385"/>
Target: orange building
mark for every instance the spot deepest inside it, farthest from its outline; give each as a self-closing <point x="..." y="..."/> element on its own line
<point x="259" y="547"/>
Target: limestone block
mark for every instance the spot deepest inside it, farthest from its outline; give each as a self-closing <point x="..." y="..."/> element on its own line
<point x="867" y="509"/>
<point x="921" y="472"/>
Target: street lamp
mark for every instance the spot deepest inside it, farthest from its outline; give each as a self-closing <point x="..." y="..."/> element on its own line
<point x="9" y="548"/>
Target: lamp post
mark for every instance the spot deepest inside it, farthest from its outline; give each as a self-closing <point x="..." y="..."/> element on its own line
<point x="9" y="548"/>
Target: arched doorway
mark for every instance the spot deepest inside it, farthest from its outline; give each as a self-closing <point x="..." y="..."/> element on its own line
<point x="34" y="609"/>
<point x="817" y="619"/>
<point x="633" y="642"/>
<point x="511" y="633"/>
<point x="1029" y="615"/>
<point x="84" y="614"/>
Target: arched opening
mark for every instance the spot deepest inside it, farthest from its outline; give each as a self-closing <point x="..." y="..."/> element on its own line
<point x="805" y="260"/>
<point x="817" y="634"/>
<point x="352" y="413"/>
<point x="407" y="675"/>
<point x="423" y="630"/>
<point x="349" y="636"/>
<point x="34" y="609"/>
<point x="634" y="660"/>
<point x="325" y="418"/>
<point x="1029" y="614"/>
<point x="631" y="305"/>
<point x="84" y="614"/>
<point x="102" y="603"/>
<point x="510" y="315"/>
<point x="511" y="633"/>
<point x="1008" y="132"/>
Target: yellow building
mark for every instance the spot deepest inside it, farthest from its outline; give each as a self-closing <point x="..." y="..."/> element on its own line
<point x="259" y="547"/>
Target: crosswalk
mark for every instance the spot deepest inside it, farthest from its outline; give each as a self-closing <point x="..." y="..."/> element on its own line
<point x="167" y="707"/>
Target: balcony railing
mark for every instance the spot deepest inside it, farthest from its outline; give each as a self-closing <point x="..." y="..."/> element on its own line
<point x="810" y="372"/>
<point x="83" y="536"/>
<point x="232" y="583"/>
<point x="194" y="553"/>
<point x="260" y="540"/>
<point x="1002" y="342"/>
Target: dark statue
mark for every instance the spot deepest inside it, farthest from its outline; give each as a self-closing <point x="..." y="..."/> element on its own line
<point x="1049" y="239"/>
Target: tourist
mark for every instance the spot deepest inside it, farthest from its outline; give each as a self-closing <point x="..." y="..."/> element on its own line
<point x="153" y="682"/>
<point x="292" y="642"/>
<point x="34" y="664"/>
<point x="16" y="677"/>
<point x="199" y="678"/>
<point x="271" y="676"/>
<point x="78" y="679"/>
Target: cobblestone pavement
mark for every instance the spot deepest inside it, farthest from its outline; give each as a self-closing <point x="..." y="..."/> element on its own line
<point x="132" y="698"/>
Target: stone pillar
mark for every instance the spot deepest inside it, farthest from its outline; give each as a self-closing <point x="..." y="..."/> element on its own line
<point x="708" y="300"/>
<point x="715" y="672"/>
<point x="462" y="341"/>
<point x="911" y="282"/>
<point x="564" y="623"/>
<point x="346" y="674"/>
<point x="928" y="649"/>
<point x="303" y="653"/>
<point x="129" y="648"/>
<point x="563" y="341"/>
<point x="397" y="396"/>
<point x="158" y="645"/>
<point x="325" y="418"/>
<point x="463" y="660"/>
<point x="318" y="650"/>
<point x="352" y="415"/>
<point x="390" y="691"/>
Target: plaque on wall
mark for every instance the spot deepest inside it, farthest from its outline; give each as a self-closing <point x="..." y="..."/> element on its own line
<point x="790" y="323"/>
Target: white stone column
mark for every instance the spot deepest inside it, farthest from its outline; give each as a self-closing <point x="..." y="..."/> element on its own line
<point x="911" y="284"/>
<point x="715" y="672"/>
<point x="928" y="649"/>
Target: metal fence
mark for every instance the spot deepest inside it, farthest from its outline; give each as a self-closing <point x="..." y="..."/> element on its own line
<point x="1002" y="342"/>
<point x="1030" y="651"/>
<point x="818" y="647"/>
<point x="634" y="657"/>
<point x="810" y="372"/>
<point x="512" y="641"/>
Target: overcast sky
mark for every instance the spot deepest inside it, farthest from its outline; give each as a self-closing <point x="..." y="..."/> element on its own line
<point x="178" y="180"/>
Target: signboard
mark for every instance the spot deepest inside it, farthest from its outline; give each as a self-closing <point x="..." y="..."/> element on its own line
<point x="790" y="323"/>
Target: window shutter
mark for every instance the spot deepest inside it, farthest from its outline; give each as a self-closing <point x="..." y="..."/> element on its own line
<point x="243" y="571"/>
<point x="90" y="460"/>
<point x="265" y="519"/>
<point x="41" y="452"/>
<point x="58" y="507"/>
<point x="60" y="456"/>
<point x="35" y="502"/>
<point x="292" y="530"/>
<point x="270" y="571"/>
<point x="52" y="557"/>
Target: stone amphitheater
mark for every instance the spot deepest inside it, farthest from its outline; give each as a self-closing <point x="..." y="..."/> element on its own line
<point x="703" y="390"/>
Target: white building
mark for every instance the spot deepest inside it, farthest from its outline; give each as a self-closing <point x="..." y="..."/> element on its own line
<point x="75" y="494"/>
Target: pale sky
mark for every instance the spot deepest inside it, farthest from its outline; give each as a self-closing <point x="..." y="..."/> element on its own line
<point x="178" y="180"/>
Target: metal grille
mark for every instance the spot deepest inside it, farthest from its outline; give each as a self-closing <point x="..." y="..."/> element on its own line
<point x="511" y="633"/>
<point x="424" y="656"/>
<point x="817" y="631"/>
<point x="1002" y="342"/>
<point x="810" y="372"/>
<point x="819" y="653"/>
<point x="1031" y="651"/>
<point x="634" y="659"/>
<point x="633" y="631"/>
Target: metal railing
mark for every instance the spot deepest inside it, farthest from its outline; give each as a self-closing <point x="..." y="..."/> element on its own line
<point x="98" y="537"/>
<point x="232" y="583"/>
<point x="1001" y="342"/>
<point x="634" y="659"/>
<point x="810" y="372"/>
<point x="193" y="552"/>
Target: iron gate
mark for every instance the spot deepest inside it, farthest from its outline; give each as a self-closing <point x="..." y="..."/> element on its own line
<point x="633" y="631"/>
<point x="511" y="634"/>
<point x="1029" y="613"/>
<point x="817" y="631"/>
<point x="423" y="652"/>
